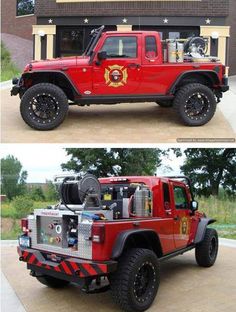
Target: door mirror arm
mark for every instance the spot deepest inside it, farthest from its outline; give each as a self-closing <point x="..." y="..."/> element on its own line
<point x="102" y="55"/>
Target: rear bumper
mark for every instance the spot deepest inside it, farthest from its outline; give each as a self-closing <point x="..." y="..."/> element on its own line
<point x="73" y="268"/>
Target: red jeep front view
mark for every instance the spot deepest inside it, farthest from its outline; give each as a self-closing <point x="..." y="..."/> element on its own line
<point x="116" y="67"/>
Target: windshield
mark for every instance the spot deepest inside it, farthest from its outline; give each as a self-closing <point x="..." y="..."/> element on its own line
<point x="95" y="35"/>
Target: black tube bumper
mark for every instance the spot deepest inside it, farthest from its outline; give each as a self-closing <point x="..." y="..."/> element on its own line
<point x="16" y="86"/>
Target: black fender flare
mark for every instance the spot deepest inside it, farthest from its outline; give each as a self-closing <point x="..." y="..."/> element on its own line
<point x="210" y="74"/>
<point x="124" y="236"/>
<point x="201" y="230"/>
<point x="58" y="72"/>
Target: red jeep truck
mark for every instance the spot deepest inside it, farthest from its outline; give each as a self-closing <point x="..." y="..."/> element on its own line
<point x="123" y="67"/>
<point x="116" y="231"/>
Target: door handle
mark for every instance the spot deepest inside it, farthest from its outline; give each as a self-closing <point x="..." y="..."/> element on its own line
<point x="176" y="218"/>
<point x="133" y="65"/>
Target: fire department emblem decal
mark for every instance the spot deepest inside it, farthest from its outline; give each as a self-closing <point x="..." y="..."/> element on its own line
<point x="184" y="226"/>
<point x="116" y="76"/>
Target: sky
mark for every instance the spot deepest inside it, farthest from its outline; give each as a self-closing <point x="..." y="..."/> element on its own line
<point x="43" y="161"/>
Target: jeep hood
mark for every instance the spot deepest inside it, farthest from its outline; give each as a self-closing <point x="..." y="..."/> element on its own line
<point x="57" y="64"/>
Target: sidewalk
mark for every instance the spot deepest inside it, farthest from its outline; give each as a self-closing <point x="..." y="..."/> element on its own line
<point x="228" y="106"/>
<point x="10" y="302"/>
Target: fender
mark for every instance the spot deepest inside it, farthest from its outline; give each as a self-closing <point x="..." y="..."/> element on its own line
<point x="202" y="225"/>
<point x="57" y="72"/>
<point x="210" y="74"/>
<point x="124" y="236"/>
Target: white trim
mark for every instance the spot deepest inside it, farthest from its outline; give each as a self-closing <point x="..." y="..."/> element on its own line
<point x="27" y="15"/>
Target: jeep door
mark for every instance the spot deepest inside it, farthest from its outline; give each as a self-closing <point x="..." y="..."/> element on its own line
<point x="181" y="215"/>
<point x="152" y="65"/>
<point x="119" y="73"/>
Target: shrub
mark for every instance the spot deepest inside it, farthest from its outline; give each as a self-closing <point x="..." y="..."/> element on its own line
<point x="37" y="194"/>
<point x="22" y="205"/>
<point x="8" y="68"/>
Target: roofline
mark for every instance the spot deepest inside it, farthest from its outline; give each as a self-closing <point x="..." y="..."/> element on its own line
<point x="131" y="31"/>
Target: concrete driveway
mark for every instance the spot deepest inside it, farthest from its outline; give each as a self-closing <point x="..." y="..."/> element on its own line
<point x="184" y="287"/>
<point x="122" y="123"/>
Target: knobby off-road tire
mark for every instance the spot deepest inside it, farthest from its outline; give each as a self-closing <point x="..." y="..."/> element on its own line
<point x="206" y="251"/>
<point x="52" y="281"/>
<point x="195" y="104"/>
<point x="135" y="283"/>
<point x="44" y="106"/>
<point x="167" y="103"/>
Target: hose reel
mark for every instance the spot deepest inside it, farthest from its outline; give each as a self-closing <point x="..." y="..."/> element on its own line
<point x="196" y="45"/>
<point x="74" y="190"/>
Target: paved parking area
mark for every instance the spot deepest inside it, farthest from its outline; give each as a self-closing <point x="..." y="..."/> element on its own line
<point x="184" y="287"/>
<point x="122" y="123"/>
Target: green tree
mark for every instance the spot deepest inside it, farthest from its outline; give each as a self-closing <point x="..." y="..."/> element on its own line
<point x="37" y="194"/>
<point x="113" y="162"/>
<point x="13" y="178"/>
<point x="51" y="194"/>
<point x="211" y="168"/>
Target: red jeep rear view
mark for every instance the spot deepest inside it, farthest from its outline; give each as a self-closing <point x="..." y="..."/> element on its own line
<point x="112" y="233"/>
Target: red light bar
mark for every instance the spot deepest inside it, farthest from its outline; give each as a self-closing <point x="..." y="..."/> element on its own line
<point x="118" y="179"/>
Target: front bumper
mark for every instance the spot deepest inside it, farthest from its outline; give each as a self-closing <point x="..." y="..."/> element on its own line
<point x="15" y="90"/>
<point x="71" y="267"/>
<point x="16" y="86"/>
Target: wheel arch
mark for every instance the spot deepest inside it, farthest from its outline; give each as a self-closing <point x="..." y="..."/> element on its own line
<point x="201" y="230"/>
<point x="57" y="78"/>
<point x="145" y="238"/>
<point x="206" y="77"/>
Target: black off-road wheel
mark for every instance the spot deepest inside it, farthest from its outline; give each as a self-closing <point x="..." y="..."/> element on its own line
<point x="165" y="104"/>
<point x="206" y="252"/>
<point x="135" y="283"/>
<point x="195" y="104"/>
<point x="44" y="106"/>
<point x="52" y="282"/>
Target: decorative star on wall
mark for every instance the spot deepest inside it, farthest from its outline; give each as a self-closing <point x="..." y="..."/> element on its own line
<point x="50" y="21"/>
<point x="86" y="20"/>
<point x="208" y="21"/>
<point x="124" y="20"/>
<point x="165" y="20"/>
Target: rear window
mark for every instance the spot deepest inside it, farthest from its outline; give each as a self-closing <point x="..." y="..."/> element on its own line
<point x="150" y="47"/>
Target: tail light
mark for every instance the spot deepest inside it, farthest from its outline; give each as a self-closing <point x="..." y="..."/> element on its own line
<point x="98" y="233"/>
<point x="24" y="225"/>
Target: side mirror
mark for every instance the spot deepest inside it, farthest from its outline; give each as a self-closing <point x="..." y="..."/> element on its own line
<point x="194" y="205"/>
<point x="102" y="55"/>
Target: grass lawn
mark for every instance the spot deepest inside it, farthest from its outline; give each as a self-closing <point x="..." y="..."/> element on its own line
<point x="8" y="69"/>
